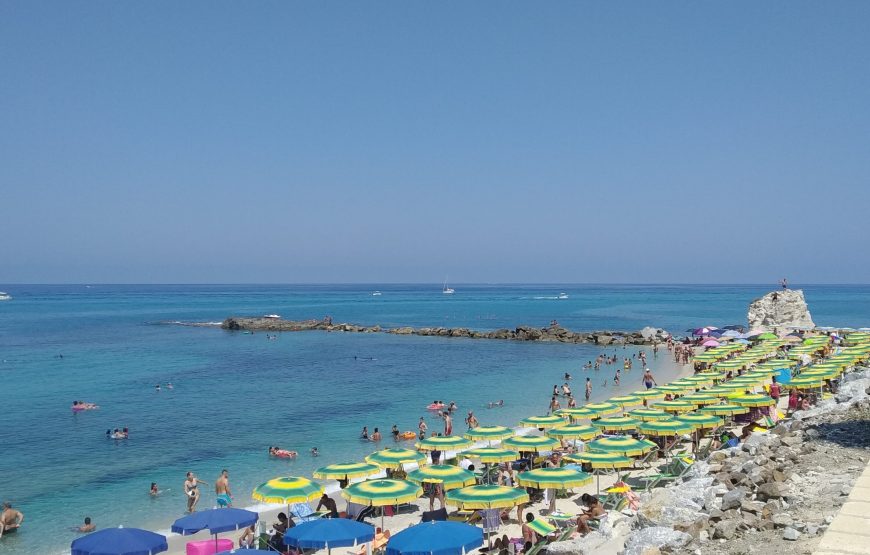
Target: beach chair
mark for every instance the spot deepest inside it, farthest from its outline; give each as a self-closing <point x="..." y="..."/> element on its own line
<point x="302" y="512"/>
<point x="428" y="516"/>
<point x="673" y="473"/>
<point x="537" y="547"/>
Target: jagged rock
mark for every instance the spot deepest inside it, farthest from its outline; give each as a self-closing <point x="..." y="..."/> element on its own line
<point x="732" y="499"/>
<point x="725" y="529"/>
<point x="790" y="534"/>
<point x="773" y="490"/>
<point x="779" y="310"/>
<point x="782" y="520"/>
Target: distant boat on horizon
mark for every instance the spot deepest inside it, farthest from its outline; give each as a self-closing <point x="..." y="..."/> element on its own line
<point x="376" y="293"/>
<point x="447" y="290"/>
<point x="563" y="296"/>
<point x="5" y="296"/>
<point x="273" y="316"/>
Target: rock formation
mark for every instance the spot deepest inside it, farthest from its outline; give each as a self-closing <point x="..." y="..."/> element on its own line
<point x="780" y="310"/>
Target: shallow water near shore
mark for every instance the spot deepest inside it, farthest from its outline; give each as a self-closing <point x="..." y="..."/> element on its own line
<point x="235" y="394"/>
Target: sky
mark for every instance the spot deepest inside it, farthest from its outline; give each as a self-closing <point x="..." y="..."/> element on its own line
<point x="406" y="141"/>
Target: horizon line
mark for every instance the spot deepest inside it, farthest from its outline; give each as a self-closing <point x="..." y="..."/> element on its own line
<point x="469" y="284"/>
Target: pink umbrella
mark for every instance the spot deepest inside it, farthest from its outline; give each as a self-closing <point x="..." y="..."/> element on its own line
<point x="705" y="330"/>
<point x="710" y="343"/>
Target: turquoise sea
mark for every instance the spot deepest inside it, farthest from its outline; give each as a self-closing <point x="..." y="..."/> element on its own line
<point x="235" y="394"/>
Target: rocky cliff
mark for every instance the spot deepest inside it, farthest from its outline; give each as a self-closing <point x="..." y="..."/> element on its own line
<point x="781" y="309"/>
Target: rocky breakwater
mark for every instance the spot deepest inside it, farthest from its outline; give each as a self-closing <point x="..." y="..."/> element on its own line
<point x="779" y="310"/>
<point x="555" y="333"/>
<point x="775" y="493"/>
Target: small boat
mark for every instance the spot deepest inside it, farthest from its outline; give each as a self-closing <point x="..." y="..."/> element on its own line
<point x="376" y="293"/>
<point x="5" y="296"/>
<point x="272" y="316"/>
<point x="447" y="290"/>
<point x="563" y="295"/>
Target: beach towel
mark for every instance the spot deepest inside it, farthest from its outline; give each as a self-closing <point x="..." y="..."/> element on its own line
<point x="302" y="512"/>
<point x="491" y="520"/>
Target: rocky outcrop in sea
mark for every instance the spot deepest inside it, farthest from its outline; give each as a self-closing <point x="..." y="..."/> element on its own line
<point x="779" y="310"/>
<point x="553" y="333"/>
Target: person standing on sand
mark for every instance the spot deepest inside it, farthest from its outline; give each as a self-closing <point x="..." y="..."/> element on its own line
<point x="588" y="389"/>
<point x="422" y="427"/>
<point x="222" y="489"/>
<point x="191" y="490"/>
<point x="648" y="379"/>
<point x="448" y="423"/>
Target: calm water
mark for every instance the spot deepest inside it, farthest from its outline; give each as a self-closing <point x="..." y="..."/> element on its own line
<point x="236" y="394"/>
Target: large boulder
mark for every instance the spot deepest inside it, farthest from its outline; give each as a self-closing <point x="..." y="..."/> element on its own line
<point x="780" y="310"/>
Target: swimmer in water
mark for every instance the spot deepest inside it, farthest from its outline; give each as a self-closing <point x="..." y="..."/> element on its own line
<point x="567" y="376"/>
<point x="157" y="388"/>
<point x="168" y="385"/>
<point x="314" y="452"/>
<point x="365" y="433"/>
<point x="154" y="491"/>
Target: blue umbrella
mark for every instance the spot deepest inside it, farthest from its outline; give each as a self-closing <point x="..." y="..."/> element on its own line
<point x="329" y="533"/>
<point x="119" y="541"/>
<point x="215" y="521"/>
<point x="436" y="538"/>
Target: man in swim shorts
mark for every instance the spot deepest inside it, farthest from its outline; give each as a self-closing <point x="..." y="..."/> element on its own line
<point x="222" y="489"/>
<point x="648" y="379"/>
<point x="423" y="428"/>
<point x="588" y="389"/>
<point x="10" y="519"/>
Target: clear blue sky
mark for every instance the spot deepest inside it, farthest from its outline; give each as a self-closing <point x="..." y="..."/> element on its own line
<point x="402" y="141"/>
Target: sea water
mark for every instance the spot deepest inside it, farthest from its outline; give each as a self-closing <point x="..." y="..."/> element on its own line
<point x="236" y="394"/>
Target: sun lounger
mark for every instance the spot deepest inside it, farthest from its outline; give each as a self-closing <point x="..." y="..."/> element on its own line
<point x="673" y="473"/>
<point x="302" y="512"/>
<point x="440" y="514"/>
<point x="537" y="547"/>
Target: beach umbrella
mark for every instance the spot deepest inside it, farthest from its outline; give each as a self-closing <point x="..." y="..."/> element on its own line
<point x="700" y="421"/>
<point x="616" y="424"/>
<point x="436" y="538"/>
<point x="665" y="428"/>
<point x="215" y="521"/>
<point x="810" y="382"/>
<point x="543" y="422"/>
<point x="626" y="401"/>
<point x="395" y="458"/>
<point x="699" y="380"/>
<point x="531" y="444"/>
<point x="492" y="454"/>
<point x="710" y="343"/>
<point x="553" y="478"/>
<point x="671" y="388"/>
<point x="700" y="399"/>
<point x="575" y="431"/>
<point x="715" y="376"/>
<point x="727" y="409"/>
<point x="287" y="489"/>
<point x="119" y="541"/>
<point x="685" y="383"/>
<point x="490" y="433"/>
<point x="328" y="533"/>
<point x="622" y="445"/>
<point x="674" y="406"/>
<point x="649" y="394"/>
<point x="753" y="400"/>
<point x="380" y="493"/>
<point x="346" y="471"/>
<point x="486" y="497"/>
<point x="718" y="391"/>
<point x="704" y="331"/>
<point x="443" y="443"/>
<point x="765" y="337"/>
<point x="577" y="413"/>
<point x="604" y="409"/>
<point x="647" y="415"/>
<point x="448" y="476"/>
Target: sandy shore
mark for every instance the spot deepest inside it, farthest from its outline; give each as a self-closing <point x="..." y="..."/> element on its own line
<point x="410" y="517"/>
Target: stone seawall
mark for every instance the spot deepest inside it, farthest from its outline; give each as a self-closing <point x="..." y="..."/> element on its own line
<point x="554" y="333"/>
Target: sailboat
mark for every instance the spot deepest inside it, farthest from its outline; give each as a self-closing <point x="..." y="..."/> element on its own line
<point x="447" y="290"/>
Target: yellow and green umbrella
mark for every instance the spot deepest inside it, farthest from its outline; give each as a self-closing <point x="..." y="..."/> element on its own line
<point x="450" y="477"/>
<point x="665" y="428"/>
<point x="603" y="409"/>
<point x="443" y="443"/>
<point x="622" y="445"/>
<point x="649" y="394"/>
<point x="685" y="383"/>
<point x="575" y="431"/>
<point x="380" y="493"/>
<point x="715" y="376"/>
<point x="700" y="399"/>
<point x="671" y="388"/>
<point x="753" y="400"/>
<point x="718" y="391"/>
<point x="647" y="415"/>
<point x="576" y="413"/>
<point x="674" y="406"/>
<point x="599" y="459"/>
<point x="616" y="423"/>
<point x="553" y="478"/>
<point x="486" y="497"/>
<point x="810" y="382"/>
<point x="531" y="444"/>
<point x="700" y="421"/>
<point x="700" y="380"/>
<point x="543" y="422"/>
<point x="491" y="433"/>
<point x="346" y="471"/>
<point x="395" y="458"/>
<point x="287" y="489"/>
<point x="626" y="401"/>
<point x="726" y="409"/>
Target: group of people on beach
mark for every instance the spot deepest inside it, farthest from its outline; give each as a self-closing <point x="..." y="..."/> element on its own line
<point x="223" y="495"/>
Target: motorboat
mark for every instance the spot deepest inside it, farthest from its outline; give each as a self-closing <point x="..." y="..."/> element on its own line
<point x="272" y="316"/>
<point x="563" y="295"/>
<point x="5" y="296"/>
<point x="376" y="293"/>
